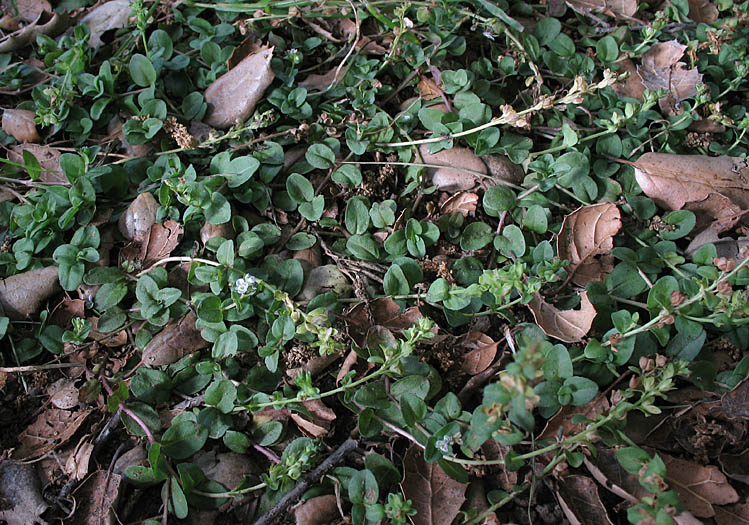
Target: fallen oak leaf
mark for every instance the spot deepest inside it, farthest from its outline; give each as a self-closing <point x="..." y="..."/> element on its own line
<point x="660" y="69"/>
<point x="618" y="8"/>
<point x="703" y="11"/>
<point x="49" y="160"/>
<point x="699" y="486"/>
<point x="20" y="124"/>
<point x="580" y="502"/>
<point x="732" y="514"/>
<point x="52" y="428"/>
<point x="109" y="15"/>
<point x="164" y="237"/>
<point x="436" y="497"/>
<point x="569" y="326"/>
<point x="175" y="341"/>
<point x="453" y="176"/>
<point x="481" y="354"/>
<point x="673" y="180"/>
<point x="586" y="233"/>
<point x="462" y="202"/>
<point x="45" y="24"/>
<point x="632" y="86"/>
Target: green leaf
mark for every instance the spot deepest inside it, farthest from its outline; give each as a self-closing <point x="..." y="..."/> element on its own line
<point x="320" y="156"/>
<point x="299" y="188"/>
<point x="226" y="345"/>
<point x="222" y="395"/>
<point x="183" y="439"/>
<point x="583" y="389"/>
<point x="141" y="70"/>
<point x="413" y="409"/>
<point x="439" y="290"/>
<point x="547" y="30"/>
<point x="347" y="175"/>
<point x="395" y="281"/>
<point x="219" y="209"/>
<point x="535" y="219"/>
<point x="499" y="13"/>
<point x="179" y="502"/>
<point x="364" y="248"/>
<point x="607" y="49"/>
<point x="498" y="199"/>
<point x="363" y="489"/>
<point x="476" y="236"/>
<point x="312" y="211"/>
<point x="558" y="364"/>
<point x="237" y="441"/>
<point x="301" y="241"/>
<point x="357" y="215"/>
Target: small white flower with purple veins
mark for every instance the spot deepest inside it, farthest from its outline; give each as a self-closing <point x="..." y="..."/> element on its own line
<point x="444" y="444"/>
<point x="246" y="285"/>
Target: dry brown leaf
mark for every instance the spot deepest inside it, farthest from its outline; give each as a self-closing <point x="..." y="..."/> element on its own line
<point x="49" y="160"/>
<point x="660" y="69"/>
<point x="632" y="86"/>
<point x="462" y="202"/>
<point x="452" y="177"/>
<point x="326" y="278"/>
<point x="52" y="428"/>
<point x="569" y="326"/>
<point x="22" y="294"/>
<point x="428" y="89"/>
<point x="587" y="232"/>
<point x="323" y="82"/>
<point x="175" y="341"/>
<point x="618" y="8"/>
<point x="28" y="10"/>
<point x="579" y="499"/>
<point x="607" y="470"/>
<point x="699" y="486"/>
<point x="494" y="450"/>
<point x="703" y="11"/>
<point x="110" y="15"/>
<point x="317" y="511"/>
<point x="673" y="180"/>
<point x="436" y="497"/>
<point x="76" y="465"/>
<point x="226" y="468"/>
<point x="97" y="498"/>
<point x="481" y="352"/>
<point x="476" y="501"/>
<point x="347" y="365"/>
<point x="500" y="167"/>
<point x="386" y="313"/>
<point x="727" y="247"/>
<point x="716" y="211"/>
<point x="321" y="418"/>
<point x="164" y="237"/>
<point x="736" y="402"/>
<point x="209" y="231"/>
<point x="233" y="96"/>
<point x="63" y="394"/>
<point x="45" y="24"/>
<point x="736" y="466"/>
<point x="20" y="124"/>
<point x="135" y="223"/>
<point x="560" y="424"/>
<point x="20" y="488"/>
<point x="732" y="514"/>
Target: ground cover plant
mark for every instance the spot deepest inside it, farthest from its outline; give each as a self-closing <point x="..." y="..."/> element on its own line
<point x="374" y="262"/>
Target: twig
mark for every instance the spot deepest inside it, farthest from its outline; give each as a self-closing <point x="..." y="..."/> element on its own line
<point x="35" y="368"/>
<point x="273" y="514"/>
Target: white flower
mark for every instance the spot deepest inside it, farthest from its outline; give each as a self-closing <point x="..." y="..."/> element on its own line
<point x="246" y="285"/>
<point x="443" y="444"/>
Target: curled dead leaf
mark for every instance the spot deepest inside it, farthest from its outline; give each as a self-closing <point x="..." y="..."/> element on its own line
<point x="52" y="428"/>
<point x="462" y="202"/>
<point x="98" y="497"/>
<point x="76" y="465"/>
<point x="23" y="293"/>
<point x="632" y="86"/>
<point x="579" y="499"/>
<point x="326" y="278"/>
<point x="436" y="497"/>
<point x="699" y="486"/>
<point x="386" y="312"/>
<point x="21" y="489"/>
<point x="175" y="341"/>
<point x="453" y="177"/>
<point x="233" y="96"/>
<point x="673" y="180"/>
<point x="325" y="81"/>
<point x="703" y="11"/>
<point x="164" y="237"/>
<point x="481" y="352"/>
<point x="569" y="326"/>
<point x="317" y="511"/>
<point x="209" y="231"/>
<point x="618" y="8"/>
<point x="560" y="425"/>
<point x="500" y="167"/>
<point x="19" y="123"/>
<point x="660" y="69"/>
<point x="726" y="247"/>
<point x="135" y="223"/>
<point x="587" y="233"/>
<point x="45" y="24"/>
<point x="736" y="402"/>
<point x="49" y="160"/>
<point x="109" y="15"/>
